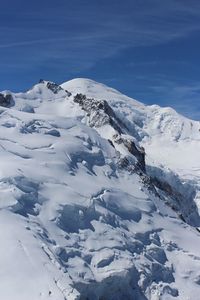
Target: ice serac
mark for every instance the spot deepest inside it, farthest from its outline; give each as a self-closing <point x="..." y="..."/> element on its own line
<point x="99" y="196"/>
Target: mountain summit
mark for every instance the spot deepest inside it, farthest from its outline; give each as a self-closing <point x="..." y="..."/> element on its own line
<point x="100" y="196"/>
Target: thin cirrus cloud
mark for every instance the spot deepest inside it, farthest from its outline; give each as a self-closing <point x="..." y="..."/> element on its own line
<point x="105" y="33"/>
<point x="107" y="29"/>
<point x="30" y="43"/>
<point x="75" y="37"/>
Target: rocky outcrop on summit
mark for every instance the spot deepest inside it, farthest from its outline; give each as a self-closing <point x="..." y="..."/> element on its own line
<point x="54" y="87"/>
<point x="6" y="100"/>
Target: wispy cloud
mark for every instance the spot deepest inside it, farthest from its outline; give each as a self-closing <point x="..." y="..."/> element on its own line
<point x="105" y="28"/>
<point x="76" y="36"/>
<point x="31" y="42"/>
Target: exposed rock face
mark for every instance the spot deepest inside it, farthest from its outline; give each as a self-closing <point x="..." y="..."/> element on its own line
<point x="182" y="195"/>
<point x="99" y="112"/>
<point x="136" y="151"/>
<point x="54" y="87"/>
<point x="6" y="100"/>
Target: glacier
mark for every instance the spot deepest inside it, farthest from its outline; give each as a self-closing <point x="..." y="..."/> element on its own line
<point x="100" y="196"/>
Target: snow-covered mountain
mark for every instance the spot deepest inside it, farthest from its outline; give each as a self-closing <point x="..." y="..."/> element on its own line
<point x="100" y="196"/>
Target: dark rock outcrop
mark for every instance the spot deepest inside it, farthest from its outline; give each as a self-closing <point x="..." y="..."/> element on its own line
<point x="54" y="87"/>
<point x="99" y="113"/>
<point x="6" y="100"/>
<point x="136" y="151"/>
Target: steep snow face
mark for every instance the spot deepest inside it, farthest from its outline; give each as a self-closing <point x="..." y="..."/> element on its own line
<point x="170" y="140"/>
<point x="153" y="119"/>
<point x="79" y="217"/>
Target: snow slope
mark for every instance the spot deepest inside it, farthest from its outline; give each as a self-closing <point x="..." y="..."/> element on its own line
<point x="171" y="141"/>
<point x="81" y="216"/>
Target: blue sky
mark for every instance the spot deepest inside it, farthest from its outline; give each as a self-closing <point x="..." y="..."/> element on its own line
<point x="148" y="49"/>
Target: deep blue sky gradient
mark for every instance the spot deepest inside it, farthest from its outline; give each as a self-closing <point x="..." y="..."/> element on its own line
<point x="148" y="49"/>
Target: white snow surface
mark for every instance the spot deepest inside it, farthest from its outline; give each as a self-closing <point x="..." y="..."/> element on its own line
<point x="75" y="225"/>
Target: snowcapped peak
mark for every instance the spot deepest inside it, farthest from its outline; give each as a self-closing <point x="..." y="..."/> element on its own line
<point x="85" y="204"/>
<point x="96" y="90"/>
<point x="45" y="85"/>
<point x="83" y="84"/>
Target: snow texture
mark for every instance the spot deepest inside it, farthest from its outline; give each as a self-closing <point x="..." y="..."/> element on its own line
<point x="100" y="196"/>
